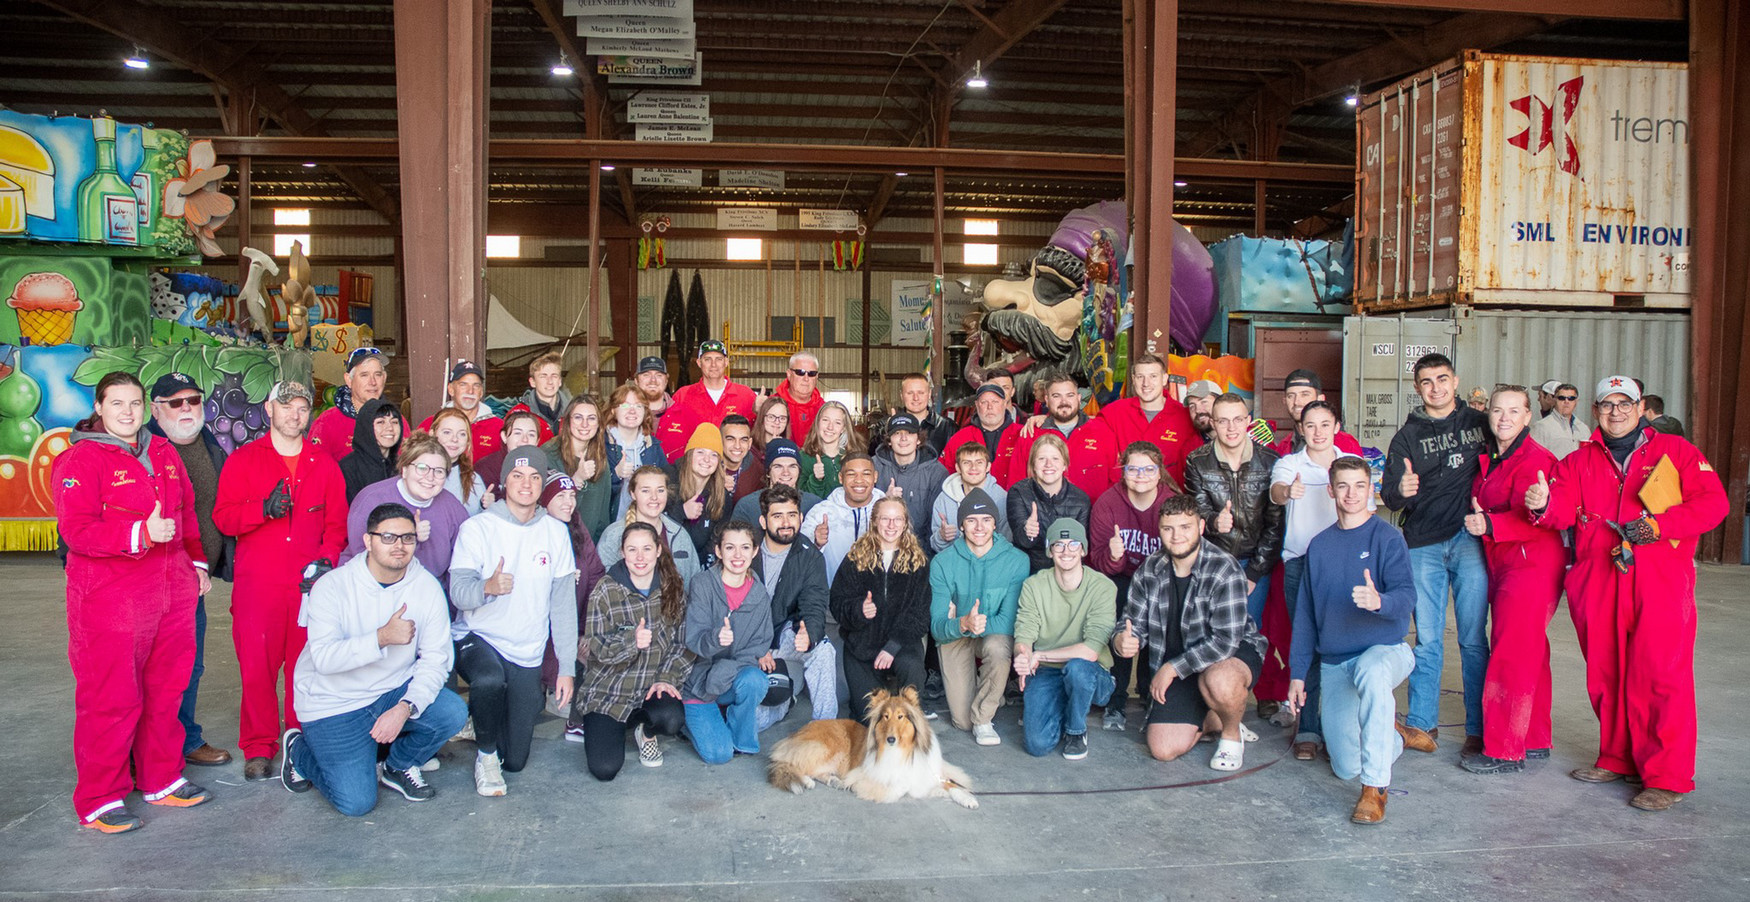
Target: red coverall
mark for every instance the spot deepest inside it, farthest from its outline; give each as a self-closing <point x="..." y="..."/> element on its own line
<point x="271" y="556"/>
<point x="1526" y="565"/>
<point x="1171" y="430"/>
<point x="1637" y="629"/>
<point x="693" y="405"/>
<point x="1093" y="456"/>
<point x="1005" y="451"/>
<point x="130" y="615"/>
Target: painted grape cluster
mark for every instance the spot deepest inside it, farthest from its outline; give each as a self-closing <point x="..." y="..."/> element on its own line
<point x="233" y="419"/>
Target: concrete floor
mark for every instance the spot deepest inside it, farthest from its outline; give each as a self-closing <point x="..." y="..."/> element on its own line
<point x="686" y="831"/>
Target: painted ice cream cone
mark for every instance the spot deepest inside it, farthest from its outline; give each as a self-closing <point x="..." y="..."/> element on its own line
<point x="46" y="304"/>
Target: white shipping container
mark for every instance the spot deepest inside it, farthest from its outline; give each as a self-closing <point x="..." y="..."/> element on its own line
<point x="1490" y="347"/>
<point x="1497" y="179"/>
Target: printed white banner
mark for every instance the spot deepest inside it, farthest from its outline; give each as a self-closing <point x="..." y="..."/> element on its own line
<point x="650" y="70"/>
<point x="633" y="27"/>
<point x="909" y="299"/>
<point x="690" y="178"/>
<point x="674" y="132"/>
<point x="769" y="179"/>
<point x="668" y="106"/>
<point x="670" y="9"/>
<point x="747" y="219"/>
<point x="827" y="220"/>
<point x="666" y="48"/>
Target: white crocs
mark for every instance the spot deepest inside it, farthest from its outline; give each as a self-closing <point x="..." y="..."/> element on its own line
<point x="1230" y="755"/>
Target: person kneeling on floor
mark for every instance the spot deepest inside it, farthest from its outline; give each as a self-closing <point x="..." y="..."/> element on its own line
<point x="1062" y="622"/>
<point x="373" y="673"/>
<point x="728" y="625"/>
<point x="1187" y="609"/>
<point x="1355" y="606"/>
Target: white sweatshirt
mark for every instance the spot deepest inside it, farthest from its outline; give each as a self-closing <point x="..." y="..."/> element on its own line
<point x="342" y="669"/>
<point x="542" y="601"/>
<point x="844" y="525"/>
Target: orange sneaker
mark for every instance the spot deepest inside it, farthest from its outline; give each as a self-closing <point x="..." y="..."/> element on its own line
<point x="181" y="794"/>
<point x="115" y="820"/>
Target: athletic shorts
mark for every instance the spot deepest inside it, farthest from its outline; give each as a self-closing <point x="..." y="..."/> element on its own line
<point x="1185" y="702"/>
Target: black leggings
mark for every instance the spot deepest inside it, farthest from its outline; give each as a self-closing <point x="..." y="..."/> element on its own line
<point x="604" y="738"/>
<point x="862" y="678"/>
<point x="503" y="698"/>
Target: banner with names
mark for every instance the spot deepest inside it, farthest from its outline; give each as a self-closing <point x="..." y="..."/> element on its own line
<point x="666" y="48"/>
<point x="747" y="219"/>
<point x="668" y="9"/>
<point x="651" y="70"/>
<point x="910" y="330"/>
<point x="684" y="178"/>
<point x="634" y="27"/>
<point x="827" y="220"/>
<point x="674" y="132"/>
<point x="668" y="106"/>
<point x="769" y="179"/>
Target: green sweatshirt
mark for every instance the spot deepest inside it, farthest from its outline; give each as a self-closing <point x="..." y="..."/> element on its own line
<point x="1048" y="618"/>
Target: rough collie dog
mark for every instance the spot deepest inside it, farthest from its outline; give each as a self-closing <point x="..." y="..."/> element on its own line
<point x="896" y="758"/>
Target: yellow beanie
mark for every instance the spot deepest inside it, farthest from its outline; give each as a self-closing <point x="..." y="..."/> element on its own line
<point x="707" y="436"/>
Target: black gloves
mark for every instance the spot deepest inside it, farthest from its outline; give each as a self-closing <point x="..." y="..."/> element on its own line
<point x="312" y="572"/>
<point x="278" y="503"/>
<point x="1644" y="531"/>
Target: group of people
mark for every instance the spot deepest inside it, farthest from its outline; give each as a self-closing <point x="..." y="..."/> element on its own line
<point x="694" y="563"/>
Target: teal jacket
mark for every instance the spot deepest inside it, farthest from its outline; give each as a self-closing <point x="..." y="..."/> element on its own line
<point x="994" y="581"/>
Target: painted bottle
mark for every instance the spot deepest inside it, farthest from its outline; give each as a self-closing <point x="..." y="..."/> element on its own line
<point x="109" y="213"/>
<point x="148" y="184"/>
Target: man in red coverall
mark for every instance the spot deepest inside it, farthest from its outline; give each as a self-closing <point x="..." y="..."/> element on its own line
<point x="1149" y="415"/>
<point x="1631" y="590"/>
<point x="708" y="400"/>
<point x="1093" y="450"/>
<point x="134" y="567"/>
<point x="285" y="501"/>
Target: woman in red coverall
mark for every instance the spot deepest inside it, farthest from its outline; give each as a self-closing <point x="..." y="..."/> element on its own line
<point x="134" y="568"/>
<point x="1636" y="620"/>
<point x="1526" y="564"/>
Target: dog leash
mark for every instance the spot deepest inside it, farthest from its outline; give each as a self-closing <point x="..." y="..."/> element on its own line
<point x="1210" y="781"/>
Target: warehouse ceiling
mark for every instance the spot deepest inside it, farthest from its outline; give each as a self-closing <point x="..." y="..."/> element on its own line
<point x="880" y="74"/>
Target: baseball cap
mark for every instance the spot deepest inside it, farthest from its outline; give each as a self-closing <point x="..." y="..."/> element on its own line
<point x="652" y="365"/>
<point x="1303" y="377"/>
<point x="171" y="383"/>
<point x="1549" y="388"/>
<point x="905" y="422"/>
<point x="526" y="456"/>
<point x="284" y="392"/>
<point x="780" y="448"/>
<point x="466" y="368"/>
<point x="1064" y="529"/>
<point x="360" y="355"/>
<point x="712" y="347"/>
<point x="977" y="503"/>
<point x="990" y="388"/>
<point x="1617" y="385"/>
<point x="1202" y="388"/>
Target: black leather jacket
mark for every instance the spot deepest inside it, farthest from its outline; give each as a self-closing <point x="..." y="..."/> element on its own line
<point x="1258" y="524"/>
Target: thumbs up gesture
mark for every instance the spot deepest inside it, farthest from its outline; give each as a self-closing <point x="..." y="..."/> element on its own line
<point x="694" y="507"/>
<point x="1366" y="595"/>
<point x="946" y="530"/>
<point x="868" y="605"/>
<point x="1126" y="643"/>
<point x="819" y="468"/>
<point x="500" y="583"/>
<point x="973" y="623"/>
<point x="278" y="502"/>
<point x="1409" y="483"/>
<point x="398" y="631"/>
<point x="1476" y="522"/>
<point x="802" y="643"/>
<point x="1297" y="488"/>
<point x="1537" y="494"/>
<point x="1033" y="522"/>
<point x="159" y="528"/>
<point x="726" y="636"/>
<point x="893" y="489"/>
<point x="1116" y="547"/>
<point x="641" y="635"/>
<point x="421" y="528"/>
<point x="820" y="533"/>
<point x="1224" y="521"/>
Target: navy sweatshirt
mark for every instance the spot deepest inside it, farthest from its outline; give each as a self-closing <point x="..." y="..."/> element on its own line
<point x="1326" y="618"/>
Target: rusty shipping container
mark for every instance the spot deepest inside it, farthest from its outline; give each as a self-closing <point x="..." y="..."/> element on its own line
<point x="1525" y="181"/>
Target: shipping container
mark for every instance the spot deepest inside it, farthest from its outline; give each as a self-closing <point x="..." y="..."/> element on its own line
<point x="1280" y="350"/>
<point x="1525" y="181"/>
<point x="1491" y="347"/>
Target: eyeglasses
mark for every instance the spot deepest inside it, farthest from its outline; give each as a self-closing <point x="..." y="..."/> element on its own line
<point x="420" y="469"/>
<point x="1567" y="397"/>
<point x="396" y="538"/>
<point x="1144" y="470"/>
<point x="180" y="403"/>
<point x="806" y="373"/>
<point x="1617" y="406"/>
<point x="1066" y="545"/>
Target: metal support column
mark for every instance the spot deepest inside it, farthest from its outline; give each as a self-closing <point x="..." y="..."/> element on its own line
<point x="1155" y="49"/>
<point x="592" y="358"/>
<point x="441" y="50"/>
<point x="939" y="306"/>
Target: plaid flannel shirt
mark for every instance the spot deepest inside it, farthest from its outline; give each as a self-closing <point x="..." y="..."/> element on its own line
<point x="619" y="672"/>
<point x="1214" y="620"/>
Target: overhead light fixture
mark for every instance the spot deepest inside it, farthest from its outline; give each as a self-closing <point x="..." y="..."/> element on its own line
<point x="607" y="167"/>
<point x="1179" y="184"/>
<point x="138" y="60"/>
<point x="310" y="165"/>
<point x="563" y="67"/>
<point x="900" y="175"/>
<point x="977" y="79"/>
<point x="1354" y="98"/>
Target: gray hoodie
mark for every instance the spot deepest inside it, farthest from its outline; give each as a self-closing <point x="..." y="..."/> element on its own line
<point x="947" y="508"/>
<point x="139" y="451"/>
<point x="707" y="605"/>
<point x="919" y="481"/>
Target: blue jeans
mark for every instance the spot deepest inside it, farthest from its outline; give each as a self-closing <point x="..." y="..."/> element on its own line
<point x="1260" y="594"/>
<point x="1311" y="727"/>
<point x="720" y="729"/>
<point x="1456" y="565"/>
<point x="1361" y="713"/>
<point x="339" y="756"/>
<point x="191" y="730"/>
<point x="1056" y="701"/>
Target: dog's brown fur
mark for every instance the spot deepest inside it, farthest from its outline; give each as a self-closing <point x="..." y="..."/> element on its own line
<point x="896" y="758"/>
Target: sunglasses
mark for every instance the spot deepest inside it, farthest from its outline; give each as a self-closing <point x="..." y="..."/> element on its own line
<point x="180" y="403"/>
<point x="1567" y="397"/>
<point x="806" y="373"/>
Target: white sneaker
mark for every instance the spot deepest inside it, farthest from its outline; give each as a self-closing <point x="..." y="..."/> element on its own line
<point x="649" y="750"/>
<point x="488" y="777"/>
<point x="467" y="731"/>
<point x="431" y="765"/>
<point x="986" y="734"/>
<point x="573" y="732"/>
